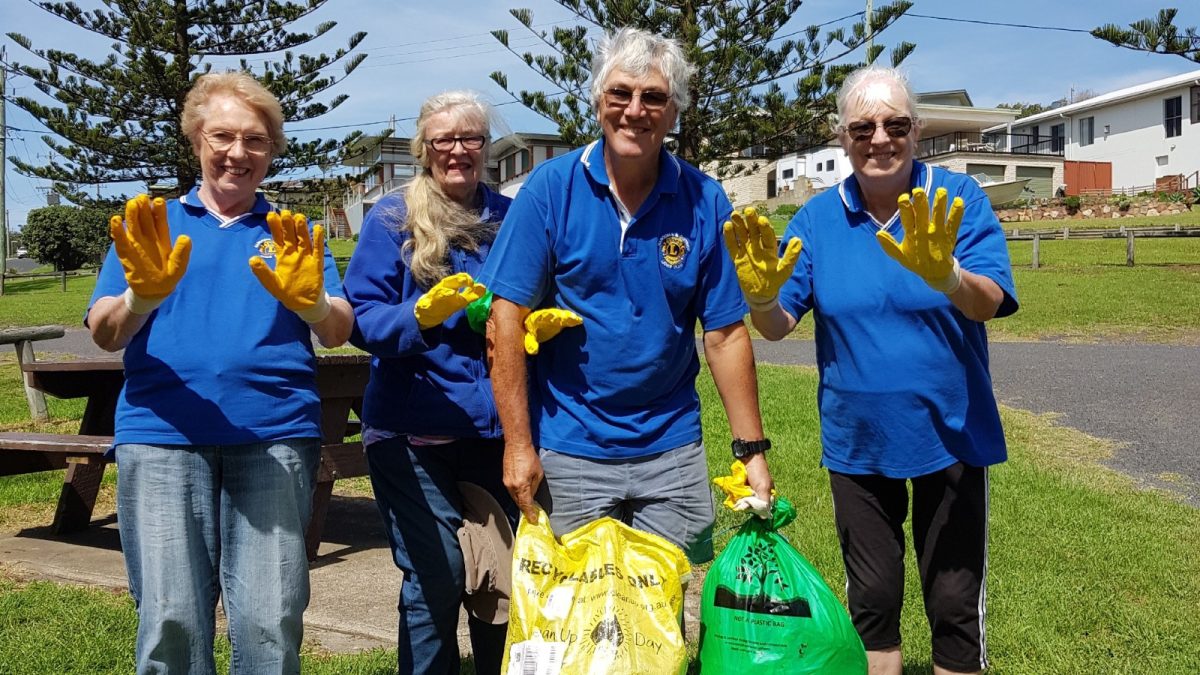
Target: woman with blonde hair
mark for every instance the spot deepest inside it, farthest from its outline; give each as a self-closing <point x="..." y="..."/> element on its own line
<point x="218" y="431"/>
<point x="429" y="418"/>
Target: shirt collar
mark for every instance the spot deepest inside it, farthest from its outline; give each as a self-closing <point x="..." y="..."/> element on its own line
<point x="261" y="205"/>
<point x="851" y="196"/>
<point x="669" y="168"/>
<point x="492" y="204"/>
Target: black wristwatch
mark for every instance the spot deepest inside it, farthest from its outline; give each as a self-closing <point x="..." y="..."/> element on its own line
<point x="746" y="449"/>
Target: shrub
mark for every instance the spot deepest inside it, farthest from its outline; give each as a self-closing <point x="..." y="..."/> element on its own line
<point x="1072" y="203"/>
<point x="787" y="210"/>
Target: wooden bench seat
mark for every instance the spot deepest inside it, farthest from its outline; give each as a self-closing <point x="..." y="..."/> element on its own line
<point x="26" y="452"/>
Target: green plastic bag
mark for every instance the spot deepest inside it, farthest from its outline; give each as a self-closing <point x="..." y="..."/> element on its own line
<point x="478" y="313"/>
<point x="765" y="609"/>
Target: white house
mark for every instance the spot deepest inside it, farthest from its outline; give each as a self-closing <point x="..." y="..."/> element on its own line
<point x="515" y="155"/>
<point x="386" y="164"/>
<point x="1144" y="134"/>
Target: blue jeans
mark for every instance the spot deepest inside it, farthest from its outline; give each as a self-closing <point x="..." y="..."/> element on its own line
<point x="417" y="493"/>
<point x="198" y="521"/>
<point x="666" y="494"/>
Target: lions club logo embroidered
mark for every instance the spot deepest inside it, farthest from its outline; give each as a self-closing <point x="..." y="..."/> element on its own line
<point x="266" y="248"/>
<point x="673" y="250"/>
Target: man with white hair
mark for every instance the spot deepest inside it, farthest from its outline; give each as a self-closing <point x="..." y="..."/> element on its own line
<point x="629" y="237"/>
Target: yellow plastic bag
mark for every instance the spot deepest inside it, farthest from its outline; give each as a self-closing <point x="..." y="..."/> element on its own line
<point x="607" y="599"/>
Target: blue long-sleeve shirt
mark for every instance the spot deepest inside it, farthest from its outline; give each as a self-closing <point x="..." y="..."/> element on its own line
<point x="430" y="382"/>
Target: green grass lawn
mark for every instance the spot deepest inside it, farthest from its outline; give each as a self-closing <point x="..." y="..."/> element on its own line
<point x="1089" y="573"/>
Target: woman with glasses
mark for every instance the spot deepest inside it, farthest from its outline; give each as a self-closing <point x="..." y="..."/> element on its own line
<point x="428" y="414"/>
<point x="899" y="305"/>
<point x="218" y="425"/>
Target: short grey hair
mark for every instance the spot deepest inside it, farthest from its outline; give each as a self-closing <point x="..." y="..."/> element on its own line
<point x="856" y="93"/>
<point x="636" y="51"/>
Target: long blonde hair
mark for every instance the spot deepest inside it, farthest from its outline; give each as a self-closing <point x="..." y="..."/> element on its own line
<point x="436" y="222"/>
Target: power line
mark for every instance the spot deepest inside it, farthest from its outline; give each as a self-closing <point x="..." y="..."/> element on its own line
<point x="998" y="23"/>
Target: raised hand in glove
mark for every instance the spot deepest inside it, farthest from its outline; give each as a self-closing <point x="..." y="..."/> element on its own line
<point x="152" y="266"/>
<point x="738" y="494"/>
<point x="298" y="280"/>
<point x="751" y="242"/>
<point x="543" y="324"/>
<point x="928" y="247"/>
<point x="445" y="298"/>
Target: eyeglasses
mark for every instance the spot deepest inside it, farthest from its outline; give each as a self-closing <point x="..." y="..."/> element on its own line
<point x="222" y="141"/>
<point x="651" y="100"/>
<point x="897" y="127"/>
<point x="446" y="143"/>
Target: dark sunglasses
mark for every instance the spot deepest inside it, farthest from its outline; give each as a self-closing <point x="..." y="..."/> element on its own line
<point x="651" y="100"/>
<point x="897" y="127"/>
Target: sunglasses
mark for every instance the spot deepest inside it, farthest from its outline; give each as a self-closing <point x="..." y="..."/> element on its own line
<point x="651" y="100"/>
<point x="897" y="127"/>
<point x="446" y="143"/>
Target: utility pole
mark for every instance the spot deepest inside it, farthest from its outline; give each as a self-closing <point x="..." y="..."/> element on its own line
<point x="3" y="167"/>
<point x="870" y="31"/>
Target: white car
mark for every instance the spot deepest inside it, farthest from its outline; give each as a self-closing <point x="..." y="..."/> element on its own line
<point x="22" y="252"/>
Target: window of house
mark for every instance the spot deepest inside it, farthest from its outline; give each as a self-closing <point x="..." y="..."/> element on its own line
<point x="1195" y="99"/>
<point x="1173" y="116"/>
<point x="510" y="166"/>
<point x="1036" y="133"/>
<point x="829" y="165"/>
<point x="1087" y="131"/>
<point x="788" y="173"/>
<point x="523" y="160"/>
<point x="1056" y="138"/>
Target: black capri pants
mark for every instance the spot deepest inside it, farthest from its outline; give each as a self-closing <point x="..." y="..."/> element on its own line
<point x="950" y="539"/>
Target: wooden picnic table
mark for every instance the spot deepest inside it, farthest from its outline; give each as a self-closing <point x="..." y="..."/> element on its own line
<point x="341" y="381"/>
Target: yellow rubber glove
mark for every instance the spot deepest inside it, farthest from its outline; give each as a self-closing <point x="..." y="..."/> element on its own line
<point x="152" y="266"/>
<point x="543" y="324"/>
<point x="738" y="495"/>
<point x="445" y="298"/>
<point x="751" y="242"/>
<point x="928" y="247"/>
<point x="298" y="280"/>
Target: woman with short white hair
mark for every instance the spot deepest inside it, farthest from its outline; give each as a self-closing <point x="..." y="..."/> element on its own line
<point x="899" y="296"/>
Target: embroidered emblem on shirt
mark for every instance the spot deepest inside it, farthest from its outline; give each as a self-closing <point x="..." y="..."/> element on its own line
<point x="673" y="249"/>
<point x="266" y="248"/>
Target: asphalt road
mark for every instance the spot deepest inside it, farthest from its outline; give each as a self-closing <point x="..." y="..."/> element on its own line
<point x="21" y="264"/>
<point x="1146" y="397"/>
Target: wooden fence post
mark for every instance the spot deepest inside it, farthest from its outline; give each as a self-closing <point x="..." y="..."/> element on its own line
<point x="1037" y="246"/>
<point x="1129" y="248"/>
<point x="1066" y="233"/>
<point x="64" y="281"/>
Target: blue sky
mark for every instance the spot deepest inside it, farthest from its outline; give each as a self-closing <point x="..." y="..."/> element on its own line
<point x="416" y="49"/>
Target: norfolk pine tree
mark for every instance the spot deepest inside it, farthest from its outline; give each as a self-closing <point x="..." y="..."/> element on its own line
<point x="117" y="120"/>
<point x="754" y="85"/>
<point x="1158" y="35"/>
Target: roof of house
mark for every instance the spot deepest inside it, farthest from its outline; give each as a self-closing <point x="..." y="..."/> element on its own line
<point x="1118" y="96"/>
<point x="958" y="97"/>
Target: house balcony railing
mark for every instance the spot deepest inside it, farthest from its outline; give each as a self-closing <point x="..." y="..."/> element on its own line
<point x="976" y="142"/>
<point x="359" y="194"/>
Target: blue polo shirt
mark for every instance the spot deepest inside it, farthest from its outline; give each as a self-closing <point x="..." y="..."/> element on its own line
<point x="221" y="361"/>
<point x="622" y="384"/>
<point x="904" y="382"/>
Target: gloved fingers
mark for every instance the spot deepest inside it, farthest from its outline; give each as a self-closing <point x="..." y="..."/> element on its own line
<point x="755" y="505"/>
<point x="954" y="220"/>
<point x="454" y="282"/>
<point x="734" y="244"/>
<point x="790" y="255"/>
<point x="752" y="238"/>
<point x="767" y="241"/>
<point x="937" y="226"/>
<point x="316" y="244"/>
<point x="177" y="261"/>
<point x="280" y="232"/>
<point x="891" y="246"/>
<point x="919" y="251"/>
<point x="567" y="319"/>
<point x="472" y="292"/>
<point x="162" y="235"/>
<point x="531" y="344"/>
<point x="139" y="225"/>
<point x="266" y="276"/>
<point x="908" y="219"/>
